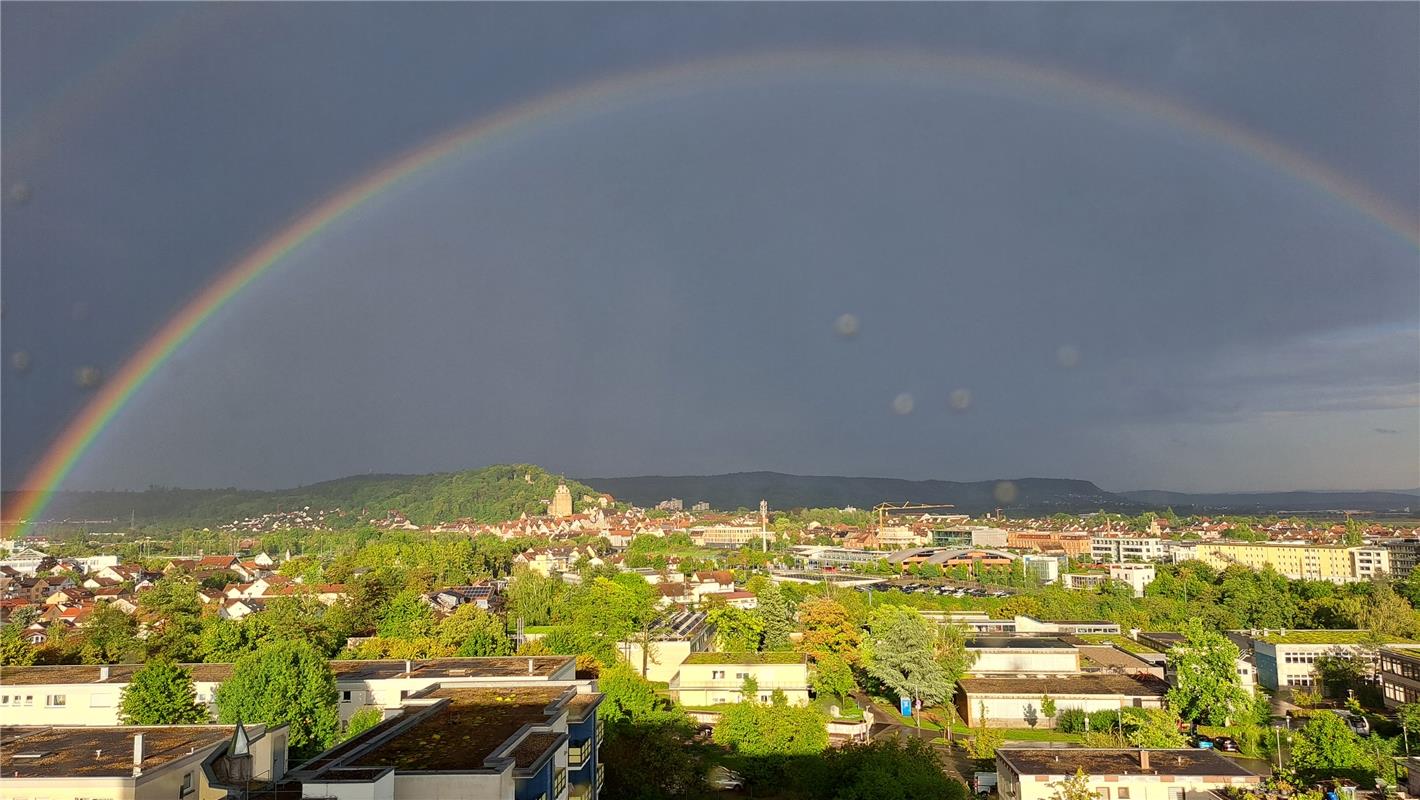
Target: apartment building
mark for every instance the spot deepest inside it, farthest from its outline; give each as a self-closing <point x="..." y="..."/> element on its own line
<point x="1136" y="576"/>
<point x="483" y="743"/>
<point x="1399" y="676"/>
<point x="707" y="679"/>
<point x="1317" y="562"/>
<point x="1128" y="548"/>
<point x="1404" y="555"/>
<point x="85" y="695"/>
<point x="1119" y="774"/>
<point x="138" y="762"/>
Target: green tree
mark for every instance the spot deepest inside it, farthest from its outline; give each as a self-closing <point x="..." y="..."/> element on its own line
<point x="286" y="683"/>
<point x="1075" y="787"/>
<point x="1206" y="687"/>
<point x="1340" y="671"/>
<point x="1047" y="706"/>
<point x="406" y="617"/>
<point x="109" y="636"/>
<point x="985" y="739"/>
<point x="758" y="730"/>
<point x="1327" y="747"/>
<point x="736" y="630"/>
<point x="776" y="615"/>
<point x="536" y="599"/>
<point x="832" y="677"/>
<point x="900" y="652"/>
<point x="652" y="760"/>
<point x="889" y="769"/>
<point x="361" y="721"/>
<point x="749" y="688"/>
<point x="1408" y="715"/>
<point x="161" y="693"/>
<point x="172" y="613"/>
<point x="1153" y="727"/>
<point x="14" y="650"/>
<point x="475" y="632"/>
<point x="630" y="697"/>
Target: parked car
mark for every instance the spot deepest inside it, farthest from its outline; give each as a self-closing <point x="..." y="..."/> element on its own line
<point x="723" y="778"/>
<point x="1227" y="744"/>
<point x="1359" y="724"/>
<point x="1202" y="742"/>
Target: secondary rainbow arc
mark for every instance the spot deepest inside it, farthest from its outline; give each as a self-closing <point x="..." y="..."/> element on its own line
<point x="80" y="433"/>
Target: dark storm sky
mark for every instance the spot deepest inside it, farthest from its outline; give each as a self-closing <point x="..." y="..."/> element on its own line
<point x="652" y="286"/>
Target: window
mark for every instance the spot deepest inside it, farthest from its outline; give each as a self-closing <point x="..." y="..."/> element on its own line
<point x="1122" y="793"/>
<point x="186" y="785"/>
<point x="1175" y="793"/>
<point x="345" y="697"/>
<point x="4" y="699"/>
<point x="55" y="700"/>
<point x="741" y="675"/>
<point x="29" y="700"/>
<point x="1102" y="793"/>
<point x="716" y="674"/>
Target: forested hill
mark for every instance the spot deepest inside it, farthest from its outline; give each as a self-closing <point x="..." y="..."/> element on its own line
<point x="489" y="494"/>
<point x="1035" y="495"/>
<point x="1278" y="502"/>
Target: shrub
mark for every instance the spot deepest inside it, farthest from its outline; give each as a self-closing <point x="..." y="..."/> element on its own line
<point x="1071" y="720"/>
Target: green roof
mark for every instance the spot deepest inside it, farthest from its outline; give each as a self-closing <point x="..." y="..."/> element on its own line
<point x="1118" y="640"/>
<point x="778" y="657"/>
<point x="1330" y="637"/>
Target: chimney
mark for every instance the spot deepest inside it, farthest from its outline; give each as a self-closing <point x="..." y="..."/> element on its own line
<point x="1143" y="758"/>
<point x="530" y="666"/>
<point x="103" y="673"/>
<point x="408" y="668"/>
<point x="137" y="754"/>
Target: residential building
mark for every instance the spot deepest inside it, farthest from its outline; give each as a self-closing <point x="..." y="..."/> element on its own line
<point x="700" y="507"/>
<point x="1115" y="548"/>
<point x="1404" y="555"/>
<point x="139" y="762"/>
<point x="1400" y="676"/>
<point x="1014" y="702"/>
<point x="1119" y="774"/>
<point x="707" y="679"/>
<point x="1317" y="562"/>
<point x="673" y="504"/>
<point x="1083" y="581"/>
<point x="85" y="695"/>
<point x="486" y="743"/>
<point x="1136" y="575"/>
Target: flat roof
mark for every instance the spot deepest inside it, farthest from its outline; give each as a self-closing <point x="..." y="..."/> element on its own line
<point x="1018" y="643"/>
<point x="102" y="751"/>
<point x="1119" y="640"/>
<point x="1115" y="761"/>
<point x="349" y="670"/>
<point x="463" y="733"/>
<point x="1328" y="637"/>
<point x="771" y="657"/>
<point x="1106" y="684"/>
<point x="1109" y="656"/>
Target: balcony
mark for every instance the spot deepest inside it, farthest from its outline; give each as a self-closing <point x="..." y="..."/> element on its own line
<point x="578" y="755"/>
<point x="601" y="775"/>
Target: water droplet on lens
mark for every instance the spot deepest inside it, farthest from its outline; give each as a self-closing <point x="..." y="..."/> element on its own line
<point x="846" y="325"/>
<point x="1068" y="355"/>
<point x="903" y="404"/>
<point x="87" y="377"/>
<point x="959" y="399"/>
<point x="18" y="193"/>
<point x="1005" y="492"/>
<point x="20" y="361"/>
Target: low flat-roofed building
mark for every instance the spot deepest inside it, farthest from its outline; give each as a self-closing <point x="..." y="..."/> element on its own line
<point x="484" y="743"/>
<point x="1286" y="659"/>
<point x="1114" y="659"/>
<point x="137" y="762"/>
<point x="1118" y="774"/>
<point x="708" y="679"/>
<point x="1015" y="702"/>
<point x="88" y="695"/>
<point x="1162" y="641"/>
<point x="1022" y="655"/>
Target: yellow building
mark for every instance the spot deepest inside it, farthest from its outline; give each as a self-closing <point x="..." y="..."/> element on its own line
<point x="708" y="679"/>
<point x="1335" y="563"/>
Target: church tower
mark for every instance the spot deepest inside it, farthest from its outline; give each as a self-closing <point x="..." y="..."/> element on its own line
<point x="561" y="501"/>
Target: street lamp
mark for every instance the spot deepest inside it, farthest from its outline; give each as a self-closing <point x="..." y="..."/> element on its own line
<point x="1277" y="737"/>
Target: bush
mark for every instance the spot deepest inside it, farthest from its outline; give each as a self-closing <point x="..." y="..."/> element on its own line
<point x="1104" y="720"/>
<point x="1071" y="720"/>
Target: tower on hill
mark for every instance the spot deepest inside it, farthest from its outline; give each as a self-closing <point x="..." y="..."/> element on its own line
<point x="561" y="501"/>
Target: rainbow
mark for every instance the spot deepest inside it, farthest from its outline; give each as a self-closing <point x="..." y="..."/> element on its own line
<point x="978" y="72"/>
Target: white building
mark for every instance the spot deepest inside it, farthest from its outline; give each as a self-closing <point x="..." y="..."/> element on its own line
<point x="1127" y="548"/>
<point x="1118" y="774"/>
<point x="1136" y="575"/>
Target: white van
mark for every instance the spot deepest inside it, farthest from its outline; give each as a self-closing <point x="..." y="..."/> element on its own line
<point x="1359" y="724"/>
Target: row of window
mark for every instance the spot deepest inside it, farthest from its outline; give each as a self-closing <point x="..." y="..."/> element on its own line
<point x="50" y="700"/>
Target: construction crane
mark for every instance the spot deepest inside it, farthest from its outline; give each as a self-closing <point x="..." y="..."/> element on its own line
<point x="882" y="509"/>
